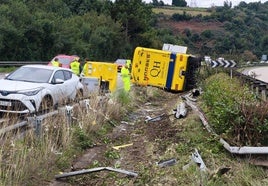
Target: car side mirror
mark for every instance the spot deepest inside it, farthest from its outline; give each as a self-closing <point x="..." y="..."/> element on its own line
<point x="58" y="81"/>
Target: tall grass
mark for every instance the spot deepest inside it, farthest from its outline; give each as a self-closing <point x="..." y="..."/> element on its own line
<point x="34" y="159"/>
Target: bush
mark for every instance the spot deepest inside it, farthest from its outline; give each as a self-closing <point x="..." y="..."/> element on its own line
<point x="234" y="111"/>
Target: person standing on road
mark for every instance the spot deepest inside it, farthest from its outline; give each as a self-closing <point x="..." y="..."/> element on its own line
<point x="125" y="74"/>
<point x="56" y="63"/>
<point x="76" y="67"/>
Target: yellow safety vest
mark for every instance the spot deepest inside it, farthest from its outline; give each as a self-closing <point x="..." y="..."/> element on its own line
<point x="75" y="66"/>
<point x="126" y="78"/>
<point x="124" y="72"/>
<point x="55" y="63"/>
<point x="128" y="62"/>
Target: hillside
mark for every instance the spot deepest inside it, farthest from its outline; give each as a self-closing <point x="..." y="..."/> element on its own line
<point x="193" y="25"/>
<point x="239" y="33"/>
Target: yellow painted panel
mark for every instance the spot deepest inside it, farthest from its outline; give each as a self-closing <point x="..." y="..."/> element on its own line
<point x="104" y="71"/>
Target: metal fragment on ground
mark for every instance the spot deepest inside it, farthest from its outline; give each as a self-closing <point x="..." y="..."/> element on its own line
<point x="165" y="163"/>
<point x="87" y="171"/>
<point x="157" y="118"/>
<point x="198" y="160"/>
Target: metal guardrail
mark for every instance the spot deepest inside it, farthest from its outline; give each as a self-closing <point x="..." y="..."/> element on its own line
<point x="260" y="88"/>
<point x="20" y="63"/>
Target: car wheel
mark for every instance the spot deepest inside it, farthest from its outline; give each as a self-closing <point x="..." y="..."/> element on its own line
<point x="79" y="95"/>
<point x="46" y="105"/>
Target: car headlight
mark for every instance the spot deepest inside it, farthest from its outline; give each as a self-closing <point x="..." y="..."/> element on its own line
<point x="30" y="92"/>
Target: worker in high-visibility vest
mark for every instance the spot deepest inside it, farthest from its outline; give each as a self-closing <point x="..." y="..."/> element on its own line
<point x="85" y="68"/>
<point x="125" y="74"/>
<point x="128" y="62"/>
<point x="76" y="67"/>
<point x="56" y="63"/>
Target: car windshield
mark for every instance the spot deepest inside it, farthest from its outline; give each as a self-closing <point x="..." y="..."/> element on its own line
<point x="120" y="61"/>
<point x="65" y="60"/>
<point x="31" y="74"/>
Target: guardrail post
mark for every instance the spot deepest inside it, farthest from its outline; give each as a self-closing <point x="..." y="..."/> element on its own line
<point x="87" y="105"/>
<point x="38" y="126"/>
<point x="256" y="87"/>
<point x="69" y="111"/>
<point x="262" y="88"/>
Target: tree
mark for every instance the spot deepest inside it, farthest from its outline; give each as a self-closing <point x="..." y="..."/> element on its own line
<point x="135" y="17"/>
<point x="180" y="3"/>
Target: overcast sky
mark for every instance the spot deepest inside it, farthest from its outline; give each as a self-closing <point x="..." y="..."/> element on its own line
<point x="209" y="3"/>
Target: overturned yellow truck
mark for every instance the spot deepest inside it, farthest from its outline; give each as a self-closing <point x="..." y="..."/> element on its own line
<point x="164" y="69"/>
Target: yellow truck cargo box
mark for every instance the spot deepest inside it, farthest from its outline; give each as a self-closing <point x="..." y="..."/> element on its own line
<point x="105" y="71"/>
<point x="162" y="69"/>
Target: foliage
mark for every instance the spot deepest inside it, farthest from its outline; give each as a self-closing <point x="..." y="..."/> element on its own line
<point x="82" y="140"/>
<point x="105" y="30"/>
<point x="181" y="3"/>
<point x="7" y="69"/>
<point x="244" y="29"/>
<point x="181" y="17"/>
<point x="98" y="30"/>
<point x="234" y="111"/>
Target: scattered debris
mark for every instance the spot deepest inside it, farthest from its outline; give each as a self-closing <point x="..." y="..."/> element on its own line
<point x="195" y="92"/>
<point x="122" y="146"/>
<point x="219" y="172"/>
<point x="86" y="171"/>
<point x="181" y="111"/>
<point x="157" y="118"/>
<point x="124" y="122"/>
<point x="165" y="163"/>
<point x="201" y="116"/>
<point x="198" y="160"/>
<point x="222" y="170"/>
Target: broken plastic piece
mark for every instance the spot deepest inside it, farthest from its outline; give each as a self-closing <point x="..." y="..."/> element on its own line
<point x="122" y="146"/>
<point x="165" y="163"/>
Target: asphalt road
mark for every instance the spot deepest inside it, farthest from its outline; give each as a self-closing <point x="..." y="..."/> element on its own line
<point x="2" y="75"/>
<point x="260" y="73"/>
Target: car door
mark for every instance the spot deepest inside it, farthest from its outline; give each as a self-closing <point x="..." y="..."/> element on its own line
<point x="59" y="86"/>
<point x="70" y="84"/>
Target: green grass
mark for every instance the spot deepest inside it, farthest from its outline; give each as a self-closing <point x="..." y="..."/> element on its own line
<point x="7" y="69"/>
<point x="169" y="11"/>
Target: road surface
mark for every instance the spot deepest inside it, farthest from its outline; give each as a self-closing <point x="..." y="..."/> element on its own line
<point x="2" y="75"/>
<point x="260" y="73"/>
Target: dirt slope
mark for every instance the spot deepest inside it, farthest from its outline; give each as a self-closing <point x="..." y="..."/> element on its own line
<point x="148" y="143"/>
